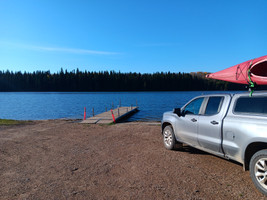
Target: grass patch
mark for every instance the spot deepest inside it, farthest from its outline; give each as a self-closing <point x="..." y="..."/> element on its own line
<point x="11" y="122"/>
<point x="109" y="124"/>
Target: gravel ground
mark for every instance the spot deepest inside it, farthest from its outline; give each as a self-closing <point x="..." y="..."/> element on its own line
<point x="61" y="159"/>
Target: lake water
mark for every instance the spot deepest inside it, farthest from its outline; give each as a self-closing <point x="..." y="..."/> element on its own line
<point x="55" y="105"/>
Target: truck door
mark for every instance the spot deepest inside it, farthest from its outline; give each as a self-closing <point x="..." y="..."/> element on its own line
<point x="209" y="126"/>
<point x="187" y="124"/>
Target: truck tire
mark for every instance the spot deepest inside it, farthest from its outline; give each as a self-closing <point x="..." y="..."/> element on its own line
<point x="258" y="170"/>
<point x="169" y="139"/>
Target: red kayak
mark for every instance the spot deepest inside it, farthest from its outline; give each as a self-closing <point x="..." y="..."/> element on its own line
<point x="254" y="70"/>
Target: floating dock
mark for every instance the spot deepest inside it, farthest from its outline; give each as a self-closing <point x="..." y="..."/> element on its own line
<point x="111" y="116"/>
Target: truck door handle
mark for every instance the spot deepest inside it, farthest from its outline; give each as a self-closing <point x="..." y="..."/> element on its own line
<point x="193" y="120"/>
<point x="214" y="122"/>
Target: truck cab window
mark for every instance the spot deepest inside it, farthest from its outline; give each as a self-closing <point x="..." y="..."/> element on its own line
<point x="194" y="106"/>
<point x="214" y="105"/>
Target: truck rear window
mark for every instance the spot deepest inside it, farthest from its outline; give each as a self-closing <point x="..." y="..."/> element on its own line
<point x="254" y="105"/>
<point x="214" y="105"/>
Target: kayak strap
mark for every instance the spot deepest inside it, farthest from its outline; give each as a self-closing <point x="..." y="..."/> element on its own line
<point x="251" y="85"/>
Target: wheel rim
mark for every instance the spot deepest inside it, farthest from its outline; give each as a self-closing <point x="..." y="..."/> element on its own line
<point x="168" y="137"/>
<point x="260" y="172"/>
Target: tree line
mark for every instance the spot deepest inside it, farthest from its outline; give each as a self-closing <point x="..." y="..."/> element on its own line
<point x="85" y="81"/>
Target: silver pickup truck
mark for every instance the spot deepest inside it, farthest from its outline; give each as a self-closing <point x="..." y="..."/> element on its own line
<point x="232" y="126"/>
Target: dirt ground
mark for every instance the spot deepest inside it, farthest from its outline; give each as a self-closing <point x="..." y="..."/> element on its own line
<point x="61" y="159"/>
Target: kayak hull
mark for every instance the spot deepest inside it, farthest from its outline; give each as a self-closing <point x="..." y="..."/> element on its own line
<point x="239" y="73"/>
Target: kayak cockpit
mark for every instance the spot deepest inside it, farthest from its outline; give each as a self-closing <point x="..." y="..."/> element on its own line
<point x="260" y="69"/>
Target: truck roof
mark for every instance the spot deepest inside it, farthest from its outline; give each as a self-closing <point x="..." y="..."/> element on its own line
<point x="236" y="93"/>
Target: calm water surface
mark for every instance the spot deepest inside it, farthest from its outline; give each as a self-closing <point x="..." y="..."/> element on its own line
<point x="55" y="105"/>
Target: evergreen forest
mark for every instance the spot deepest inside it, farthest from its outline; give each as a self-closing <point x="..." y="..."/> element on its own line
<point x="85" y="81"/>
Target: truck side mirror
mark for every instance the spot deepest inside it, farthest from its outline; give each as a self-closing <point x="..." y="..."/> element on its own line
<point x="177" y="111"/>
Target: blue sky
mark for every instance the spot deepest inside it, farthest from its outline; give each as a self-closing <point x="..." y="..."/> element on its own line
<point x="131" y="35"/>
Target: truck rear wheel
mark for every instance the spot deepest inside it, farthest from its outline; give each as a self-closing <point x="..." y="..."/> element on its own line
<point x="169" y="139"/>
<point x="258" y="170"/>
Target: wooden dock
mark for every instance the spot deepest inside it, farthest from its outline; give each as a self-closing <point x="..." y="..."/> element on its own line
<point x="107" y="118"/>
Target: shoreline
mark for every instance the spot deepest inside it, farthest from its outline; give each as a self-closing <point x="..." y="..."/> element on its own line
<point x="13" y="121"/>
